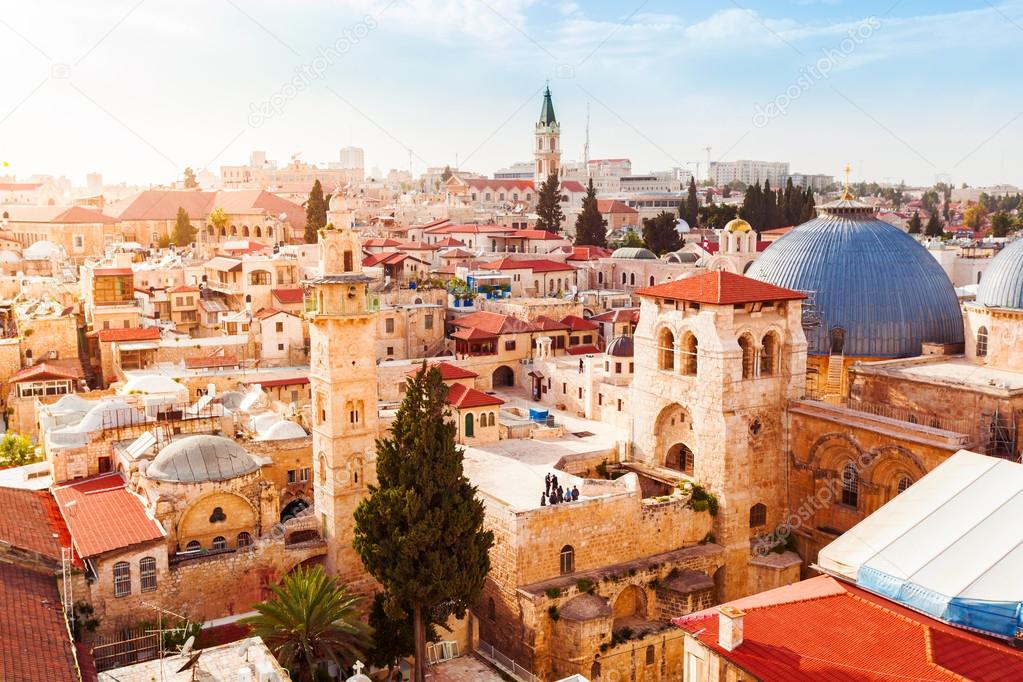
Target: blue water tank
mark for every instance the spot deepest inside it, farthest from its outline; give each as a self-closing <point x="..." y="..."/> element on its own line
<point x="537" y="415"/>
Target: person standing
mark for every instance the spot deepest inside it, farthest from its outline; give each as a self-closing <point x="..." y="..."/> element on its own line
<point x="543" y="499"/>
<point x="561" y="494"/>
<point x="554" y="481"/>
<point x="575" y="494"/>
<point x="547" y="479"/>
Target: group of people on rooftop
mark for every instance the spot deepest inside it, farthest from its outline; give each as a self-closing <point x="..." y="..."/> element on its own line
<point x="556" y="494"/>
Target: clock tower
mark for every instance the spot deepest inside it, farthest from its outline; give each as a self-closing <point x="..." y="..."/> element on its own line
<point x="343" y="378"/>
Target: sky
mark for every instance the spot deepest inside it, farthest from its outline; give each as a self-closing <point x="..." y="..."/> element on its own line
<point x="137" y="90"/>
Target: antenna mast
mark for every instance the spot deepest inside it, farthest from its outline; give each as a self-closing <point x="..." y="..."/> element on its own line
<point x="586" y="147"/>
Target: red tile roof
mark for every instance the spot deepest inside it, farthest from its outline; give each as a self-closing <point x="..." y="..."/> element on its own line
<point x="588" y="253"/>
<point x="585" y="349"/>
<point x="268" y="383"/>
<point x="534" y="264"/>
<point x="34" y="640"/>
<point x="210" y="362"/>
<point x="52" y="369"/>
<point x="112" y="272"/>
<point x="720" y="288"/>
<point x="57" y="214"/>
<point x="473" y="334"/>
<point x="493" y="323"/>
<point x="578" y="324"/>
<point x="470" y="228"/>
<point x="462" y="396"/>
<point x="433" y="223"/>
<point x="614" y="206"/>
<point x="418" y="246"/>
<point x="491" y="184"/>
<point x="105" y="516"/>
<point x="449" y="241"/>
<point x="617" y="315"/>
<point x="545" y="324"/>
<point x="131" y="334"/>
<point x="572" y="186"/>
<point x="288" y="296"/>
<point x="183" y="289"/>
<point x="30" y="521"/>
<point x="821" y="629"/>
<point x="448" y="372"/>
<point x="539" y="235"/>
<point x="380" y="241"/>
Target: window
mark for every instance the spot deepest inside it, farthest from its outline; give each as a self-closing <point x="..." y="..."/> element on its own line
<point x="218" y="515"/>
<point x="600" y="398"/>
<point x="509" y="345"/>
<point x="469" y="433"/>
<point x="850" y="485"/>
<point x="79" y="241"/>
<point x="147" y="574"/>
<point x="666" y="350"/>
<point x="690" y="348"/>
<point x="280" y="346"/>
<point x="904" y="482"/>
<point x="243" y="540"/>
<point x="348" y="262"/>
<point x="650" y="650"/>
<point x="122" y="579"/>
<point x="279" y="327"/>
<point x="219" y="542"/>
<point x="193" y="546"/>
<point x="982" y="342"/>
<point x="259" y="278"/>
<point x="769" y="355"/>
<point x="757" y="515"/>
<point x="746" y="345"/>
<point x="292" y="475"/>
<point x="389" y="325"/>
<point x="567" y="560"/>
<point x="428" y="321"/>
<point x="390" y="350"/>
<point x="304" y="474"/>
<point x="126" y="324"/>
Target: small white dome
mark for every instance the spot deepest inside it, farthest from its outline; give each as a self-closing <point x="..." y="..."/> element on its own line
<point x="152" y="384"/>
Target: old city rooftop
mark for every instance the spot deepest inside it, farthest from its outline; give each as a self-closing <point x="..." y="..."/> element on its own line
<point x="720" y="288"/>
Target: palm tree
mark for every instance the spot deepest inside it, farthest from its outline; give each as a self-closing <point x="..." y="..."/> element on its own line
<point x="310" y="619"/>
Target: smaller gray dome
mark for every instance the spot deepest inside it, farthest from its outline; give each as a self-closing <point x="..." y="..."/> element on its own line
<point x="1002" y="283"/>
<point x="682" y="257"/>
<point x="635" y="253"/>
<point x="585" y="607"/>
<point x="195" y="459"/>
<point x="620" y="347"/>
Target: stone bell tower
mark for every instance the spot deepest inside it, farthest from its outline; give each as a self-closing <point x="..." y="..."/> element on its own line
<point x="547" y="153"/>
<point x="343" y="379"/>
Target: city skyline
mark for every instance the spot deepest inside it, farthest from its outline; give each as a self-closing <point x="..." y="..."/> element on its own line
<point x="138" y="91"/>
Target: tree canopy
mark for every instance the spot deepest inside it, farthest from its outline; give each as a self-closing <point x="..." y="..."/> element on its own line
<point x="975" y="216"/>
<point x="190" y="181"/>
<point x="689" y="210"/>
<point x="16" y="450"/>
<point x="420" y="532"/>
<point x="315" y="213"/>
<point x="915" y="223"/>
<point x="766" y="209"/>
<point x="309" y="620"/>
<point x="548" y="205"/>
<point x="590" y="228"/>
<point x="934" y="227"/>
<point x="184" y="233"/>
<point x="659" y="233"/>
<point x="1001" y="224"/>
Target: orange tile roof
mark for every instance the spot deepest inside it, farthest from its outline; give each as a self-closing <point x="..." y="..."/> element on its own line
<point x="105" y="516"/>
<point x="288" y="296"/>
<point x="470" y="228"/>
<point x="131" y="334"/>
<point x="720" y="288"/>
<point x="473" y="334"/>
<point x="578" y="324"/>
<point x="51" y="369"/>
<point x="539" y="235"/>
<point x="821" y="629"/>
<point x="34" y="640"/>
<point x="461" y="396"/>
<point x="493" y="323"/>
<point x="448" y="371"/>
<point x="30" y="521"/>
<point x="545" y="324"/>
<point x="534" y="264"/>
<point x="489" y="183"/>
<point x="112" y="272"/>
<point x="585" y="349"/>
<point x="614" y="206"/>
<point x="588" y="253"/>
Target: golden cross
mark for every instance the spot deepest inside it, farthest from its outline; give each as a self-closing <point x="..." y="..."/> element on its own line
<point x="848" y="170"/>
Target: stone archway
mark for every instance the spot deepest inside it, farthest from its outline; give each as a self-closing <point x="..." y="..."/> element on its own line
<point x="629" y="607"/>
<point x="503" y="376"/>
<point x="680" y="458"/>
<point x="293" y="509"/>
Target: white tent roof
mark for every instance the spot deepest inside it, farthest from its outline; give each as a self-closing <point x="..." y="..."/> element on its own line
<point x="954" y="533"/>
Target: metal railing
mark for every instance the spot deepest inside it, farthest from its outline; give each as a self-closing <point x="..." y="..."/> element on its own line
<point x="504" y="663"/>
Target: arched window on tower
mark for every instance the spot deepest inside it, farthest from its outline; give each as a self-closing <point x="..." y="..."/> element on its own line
<point x="982" y="342"/>
<point x="666" y="350"/>
<point x="758" y="515"/>
<point x="903" y="484"/>
<point x="850" y="485"/>
<point x="690" y="353"/>
<point x="769" y="354"/>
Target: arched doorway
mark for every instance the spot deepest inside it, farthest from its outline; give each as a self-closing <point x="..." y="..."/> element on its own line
<point x="629" y="607"/>
<point x="837" y="340"/>
<point x="293" y="509"/>
<point x="503" y="376"/>
<point x="680" y="458"/>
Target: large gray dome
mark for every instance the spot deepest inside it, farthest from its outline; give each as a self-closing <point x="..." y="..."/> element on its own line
<point x="867" y="278"/>
<point x="194" y="459"/>
<point x="1002" y="283"/>
<point x="634" y="253"/>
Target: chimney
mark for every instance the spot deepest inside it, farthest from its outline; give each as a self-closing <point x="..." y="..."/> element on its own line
<point x="730" y="621"/>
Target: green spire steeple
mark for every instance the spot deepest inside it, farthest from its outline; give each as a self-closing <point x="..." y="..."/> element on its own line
<point x="547" y="112"/>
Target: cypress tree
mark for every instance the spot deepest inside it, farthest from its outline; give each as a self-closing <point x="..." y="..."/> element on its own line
<point x="691" y="214"/>
<point x="548" y="205"/>
<point x="915" y="224"/>
<point x="590" y="229"/>
<point x="659" y="233"/>
<point x="420" y="531"/>
<point x="184" y="233"/>
<point x="934" y="227"/>
<point x="315" y="213"/>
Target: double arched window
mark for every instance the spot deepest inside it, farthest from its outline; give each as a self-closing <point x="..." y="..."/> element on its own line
<point x="690" y="354"/>
<point x="666" y="350"/>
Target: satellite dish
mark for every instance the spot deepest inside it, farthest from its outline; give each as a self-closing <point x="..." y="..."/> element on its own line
<point x="191" y="662"/>
<point x="189" y="643"/>
<point x="681" y="226"/>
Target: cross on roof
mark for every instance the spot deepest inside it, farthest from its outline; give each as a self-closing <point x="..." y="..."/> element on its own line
<point x="359" y="665"/>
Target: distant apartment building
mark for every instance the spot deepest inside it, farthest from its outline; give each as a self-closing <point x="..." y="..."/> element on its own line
<point x="749" y="172"/>
<point x="522" y="170"/>
<point x="973" y="193"/>
<point x="816" y="182"/>
<point x="353" y="158"/>
<point x="261" y="173"/>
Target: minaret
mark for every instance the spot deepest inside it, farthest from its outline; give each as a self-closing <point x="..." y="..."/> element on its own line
<point x="343" y="378"/>
<point x="547" y="151"/>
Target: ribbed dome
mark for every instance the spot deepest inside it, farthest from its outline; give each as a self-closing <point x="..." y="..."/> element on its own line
<point x="1002" y="283"/>
<point x="201" y="458"/>
<point x="634" y="253"/>
<point x="620" y="347"/>
<point x="867" y="278"/>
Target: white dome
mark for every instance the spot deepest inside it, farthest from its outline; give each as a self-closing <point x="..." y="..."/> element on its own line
<point x="42" y="250"/>
<point x="108" y="413"/>
<point x="7" y="256"/>
<point x="194" y="459"/>
<point x="282" y="430"/>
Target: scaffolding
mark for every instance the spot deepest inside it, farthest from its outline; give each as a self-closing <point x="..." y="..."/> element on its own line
<point x="999" y="433"/>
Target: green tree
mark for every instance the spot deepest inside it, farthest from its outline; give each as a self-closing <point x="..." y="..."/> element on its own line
<point x="16" y="449"/>
<point x="548" y="205"/>
<point x="752" y="209"/>
<point x="310" y="620"/>
<point x="1001" y="224"/>
<point x="218" y="219"/>
<point x="659" y="233"/>
<point x="420" y="531"/>
<point x="630" y="240"/>
<point x="915" y="223"/>
<point x="716" y="216"/>
<point x="446" y="175"/>
<point x="393" y="638"/>
<point x="184" y="233"/>
<point x="726" y="192"/>
<point x="690" y="210"/>
<point x="190" y="181"/>
<point x="590" y="228"/>
<point x="315" y="213"/>
<point x="934" y="227"/>
<point x="975" y="216"/>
